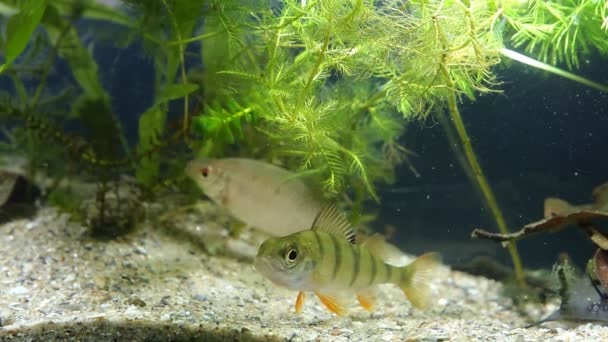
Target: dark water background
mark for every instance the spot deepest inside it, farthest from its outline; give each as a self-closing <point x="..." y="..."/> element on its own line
<point x="542" y="136"/>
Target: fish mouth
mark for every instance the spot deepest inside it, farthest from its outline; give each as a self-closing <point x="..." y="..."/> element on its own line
<point x="263" y="266"/>
<point x="270" y="271"/>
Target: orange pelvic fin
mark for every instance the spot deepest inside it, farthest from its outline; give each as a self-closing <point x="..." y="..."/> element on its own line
<point x="367" y="299"/>
<point x="299" y="302"/>
<point x="332" y="303"/>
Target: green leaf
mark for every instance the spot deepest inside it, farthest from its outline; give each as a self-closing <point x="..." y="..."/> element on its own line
<point x="151" y="124"/>
<point x="80" y="59"/>
<point x="176" y="91"/>
<point x="228" y="135"/>
<point x="7" y="10"/>
<point x="20" y="28"/>
<point x="93" y="9"/>
<point x="236" y="127"/>
<point x="99" y="11"/>
<point x="209" y="123"/>
<point x="20" y="88"/>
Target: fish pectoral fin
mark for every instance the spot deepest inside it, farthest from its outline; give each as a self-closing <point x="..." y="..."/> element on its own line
<point x="332" y="302"/>
<point x="299" y="302"/>
<point x="367" y="299"/>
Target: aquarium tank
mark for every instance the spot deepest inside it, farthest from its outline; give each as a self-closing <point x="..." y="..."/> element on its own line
<point x="303" y="170"/>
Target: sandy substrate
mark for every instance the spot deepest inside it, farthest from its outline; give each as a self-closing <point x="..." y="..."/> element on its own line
<point x="58" y="284"/>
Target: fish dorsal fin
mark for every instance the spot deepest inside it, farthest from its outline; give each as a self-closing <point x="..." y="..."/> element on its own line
<point x="332" y="221"/>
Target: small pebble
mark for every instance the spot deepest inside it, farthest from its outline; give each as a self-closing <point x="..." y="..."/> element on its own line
<point x="132" y="312"/>
<point x="6" y="317"/>
<point x="140" y="250"/>
<point x="201" y="297"/>
<point x="18" y="290"/>
<point x="137" y="302"/>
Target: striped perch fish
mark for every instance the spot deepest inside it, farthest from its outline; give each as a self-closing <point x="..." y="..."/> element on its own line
<point x="328" y="261"/>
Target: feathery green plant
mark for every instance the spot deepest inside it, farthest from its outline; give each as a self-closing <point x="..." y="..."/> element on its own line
<point x="558" y="31"/>
<point x="334" y="76"/>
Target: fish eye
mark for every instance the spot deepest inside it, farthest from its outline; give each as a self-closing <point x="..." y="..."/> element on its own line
<point x="291" y="255"/>
<point x="205" y="172"/>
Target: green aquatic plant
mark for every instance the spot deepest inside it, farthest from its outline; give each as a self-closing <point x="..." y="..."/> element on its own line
<point x="101" y="152"/>
<point x="557" y="31"/>
<point x="328" y="79"/>
<point x="325" y="87"/>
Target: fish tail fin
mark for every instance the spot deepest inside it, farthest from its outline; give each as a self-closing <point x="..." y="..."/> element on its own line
<point x="416" y="278"/>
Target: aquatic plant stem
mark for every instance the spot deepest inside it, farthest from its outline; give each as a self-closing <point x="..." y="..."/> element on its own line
<point x="47" y="67"/>
<point x="182" y="69"/>
<point x="315" y="69"/>
<point x="452" y="138"/>
<point x="516" y="56"/>
<point x="193" y="39"/>
<point x="480" y="177"/>
<point x="485" y="186"/>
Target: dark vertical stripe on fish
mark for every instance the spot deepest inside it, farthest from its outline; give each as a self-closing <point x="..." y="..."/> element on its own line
<point x="356" y="253"/>
<point x="403" y="275"/>
<point x="373" y="271"/>
<point x="337" y="254"/>
<point x="389" y="271"/>
<point x="321" y="250"/>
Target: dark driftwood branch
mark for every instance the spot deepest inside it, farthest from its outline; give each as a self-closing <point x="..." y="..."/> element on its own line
<point x="484" y="234"/>
<point x="550" y="224"/>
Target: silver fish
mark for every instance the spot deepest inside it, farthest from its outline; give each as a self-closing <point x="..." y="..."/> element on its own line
<point x="257" y="193"/>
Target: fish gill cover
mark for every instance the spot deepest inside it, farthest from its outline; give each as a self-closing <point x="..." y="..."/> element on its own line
<point x="326" y="88"/>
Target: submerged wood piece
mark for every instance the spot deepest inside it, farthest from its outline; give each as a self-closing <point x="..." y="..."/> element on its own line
<point x="601" y="266"/>
<point x="16" y="189"/>
<point x="597" y="237"/>
<point x="558" y="215"/>
<point x="550" y="224"/>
